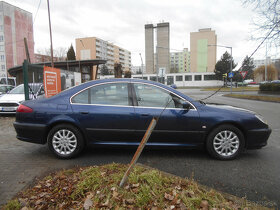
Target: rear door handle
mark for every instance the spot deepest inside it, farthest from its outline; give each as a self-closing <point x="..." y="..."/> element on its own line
<point x="145" y="115"/>
<point x="83" y="112"/>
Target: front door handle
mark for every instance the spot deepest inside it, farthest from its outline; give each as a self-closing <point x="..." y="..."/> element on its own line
<point x="84" y="112"/>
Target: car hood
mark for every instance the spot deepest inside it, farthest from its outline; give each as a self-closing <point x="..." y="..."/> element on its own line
<point x="12" y="98"/>
<point x="230" y="108"/>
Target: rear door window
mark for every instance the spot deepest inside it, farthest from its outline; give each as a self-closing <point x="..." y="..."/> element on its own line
<point x="106" y="94"/>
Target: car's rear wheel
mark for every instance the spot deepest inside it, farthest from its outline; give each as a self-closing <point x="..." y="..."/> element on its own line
<point x="225" y="142"/>
<point x="65" y="141"/>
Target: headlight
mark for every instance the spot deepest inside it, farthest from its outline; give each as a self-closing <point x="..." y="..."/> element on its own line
<point x="261" y="118"/>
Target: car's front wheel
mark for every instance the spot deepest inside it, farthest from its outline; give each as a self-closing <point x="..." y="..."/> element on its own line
<point x="225" y="142"/>
<point x="65" y="141"/>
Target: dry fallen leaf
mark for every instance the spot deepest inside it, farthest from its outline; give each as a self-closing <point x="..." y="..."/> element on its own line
<point x="182" y="206"/>
<point x="204" y="204"/>
<point x="106" y="204"/>
<point x="115" y="194"/>
<point x="88" y="203"/>
<point x="135" y="185"/>
<point x="129" y="201"/>
<point x="168" y="197"/>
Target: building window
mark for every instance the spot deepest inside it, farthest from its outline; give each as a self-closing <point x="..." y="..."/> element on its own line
<point x="179" y="78"/>
<point x="210" y="77"/>
<point x="188" y="78"/>
<point x="197" y="77"/>
<point x="3" y="67"/>
<point x="1" y="48"/>
<point x="2" y="57"/>
<point x="1" y="28"/>
<point x="1" y="38"/>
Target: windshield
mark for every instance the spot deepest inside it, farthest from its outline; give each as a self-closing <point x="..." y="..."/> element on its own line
<point x="3" y="89"/>
<point x="18" y="90"/>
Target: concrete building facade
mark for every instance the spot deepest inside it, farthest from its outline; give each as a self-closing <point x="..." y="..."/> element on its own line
<point x="137" y="69"/>
<point x="157" y="55"/>
<point x="180" y="61"/>
<point x="203" y="57"/>
<point x="15" y="24"/>
<point x="163" y="47"/>
<point x="268" y="61"/>
<point x="96" y="48"/>
<point x="149" y="48"/>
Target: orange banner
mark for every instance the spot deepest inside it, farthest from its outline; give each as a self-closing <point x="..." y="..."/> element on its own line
<point x="52" y="81"/>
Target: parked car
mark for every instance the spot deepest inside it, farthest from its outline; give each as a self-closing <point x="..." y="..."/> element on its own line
<point x="5" y="89"/>
<point x="9" y="102"/>
<point x="118" y="112"/>
<point x="275" y="81"/>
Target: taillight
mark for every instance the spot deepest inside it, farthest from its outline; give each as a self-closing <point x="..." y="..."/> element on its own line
<point x="24" y="109"/>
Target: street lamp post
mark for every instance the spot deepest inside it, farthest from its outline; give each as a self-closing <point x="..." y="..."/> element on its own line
<point x="141" y="64"/>
<point x="230" y="61"/>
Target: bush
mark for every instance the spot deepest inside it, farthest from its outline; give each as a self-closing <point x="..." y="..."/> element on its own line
<point x="270" y="87"/>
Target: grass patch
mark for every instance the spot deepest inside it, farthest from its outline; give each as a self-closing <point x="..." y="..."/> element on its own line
<point x="227" y="89"/>
<point x="255" y="97"/>
<point x="98" y="187"/>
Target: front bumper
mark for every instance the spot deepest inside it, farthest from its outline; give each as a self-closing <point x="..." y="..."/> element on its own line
<point x="257" y="138"/>
<point x="34" y="133"/>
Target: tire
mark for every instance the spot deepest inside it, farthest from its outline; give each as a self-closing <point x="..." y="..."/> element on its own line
<point x="225" y="142"/>
<point x="65" y="141"/>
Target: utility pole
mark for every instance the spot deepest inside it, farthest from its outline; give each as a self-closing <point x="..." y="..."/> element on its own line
<point x="265" y="67"/>
<point x="50" y="33"/>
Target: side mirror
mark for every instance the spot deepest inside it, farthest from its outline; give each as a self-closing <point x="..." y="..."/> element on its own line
<point x="186" y="105"/>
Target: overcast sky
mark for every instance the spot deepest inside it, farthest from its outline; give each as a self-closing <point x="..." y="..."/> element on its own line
<point x="122" y="23"/>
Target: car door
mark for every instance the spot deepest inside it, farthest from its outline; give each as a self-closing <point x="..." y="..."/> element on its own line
<point x="106" y="113"/>
<point x="176" y="125"/>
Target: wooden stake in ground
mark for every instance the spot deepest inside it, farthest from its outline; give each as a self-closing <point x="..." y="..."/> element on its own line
<point x="139" y="150"/>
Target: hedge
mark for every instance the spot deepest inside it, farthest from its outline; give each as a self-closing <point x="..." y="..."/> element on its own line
<point x="270" y="87"/>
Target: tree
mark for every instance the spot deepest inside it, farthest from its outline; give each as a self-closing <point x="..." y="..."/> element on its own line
<point x="118" y="70"/>
<point x="104" y="70"/>
<point x="223" y="65"/>
<point x="247" y="65"/>
<point x="139" y="71"/>
<point x="127" y="74"/>
<point x="259" y="73"/>
<point x="60" y="53"/>
<point x="71" y="53"/>
<point x="268" y="20"/>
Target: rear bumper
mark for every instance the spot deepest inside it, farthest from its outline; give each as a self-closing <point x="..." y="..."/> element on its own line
<point x="257" y="138"/>
<point x="34" y="133"/>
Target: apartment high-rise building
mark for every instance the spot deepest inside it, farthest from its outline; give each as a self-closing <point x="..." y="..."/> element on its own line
<point x="203" y="56"/>
<point x="149" y="48"/>
<point x="163" y="46"/>
<point x="96" y="48"/>
<point x="180" y="61"/>
<point x="15" y="25"/>
<point x="157" y="55"/>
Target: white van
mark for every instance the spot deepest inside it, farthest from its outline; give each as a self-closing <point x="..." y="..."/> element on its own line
<point x="11" y="81"/>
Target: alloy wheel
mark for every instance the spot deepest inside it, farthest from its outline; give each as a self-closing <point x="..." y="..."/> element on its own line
<point x="226" y="143"/>
<point x="64" y="142"/>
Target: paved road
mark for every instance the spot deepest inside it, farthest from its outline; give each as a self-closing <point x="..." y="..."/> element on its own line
<point x="254" y="175"/>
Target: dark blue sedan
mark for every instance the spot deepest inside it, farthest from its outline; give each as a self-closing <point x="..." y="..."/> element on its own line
<point x="118" y="112"/>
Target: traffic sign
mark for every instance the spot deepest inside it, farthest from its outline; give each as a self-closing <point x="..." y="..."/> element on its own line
<point x="243" y="74"/>
<point x="230" y="75"/>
